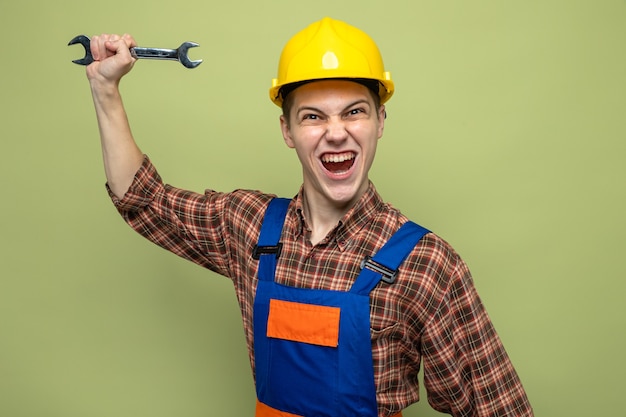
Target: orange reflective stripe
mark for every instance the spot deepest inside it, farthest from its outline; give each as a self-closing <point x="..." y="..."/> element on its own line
<point x="263" y="410"/>
<point x="308" y="323"/>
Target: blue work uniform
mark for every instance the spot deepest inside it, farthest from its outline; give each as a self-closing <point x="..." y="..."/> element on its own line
<point x="312" y="347"/>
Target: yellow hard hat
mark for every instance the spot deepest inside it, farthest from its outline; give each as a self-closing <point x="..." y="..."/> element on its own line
<point x="330" y="49"/>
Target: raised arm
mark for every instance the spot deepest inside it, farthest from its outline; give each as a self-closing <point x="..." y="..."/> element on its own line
<point x="122" y="157"/>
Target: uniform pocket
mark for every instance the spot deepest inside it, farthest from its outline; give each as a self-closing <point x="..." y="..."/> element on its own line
<point x="306" y="323"/>
<point x="303" y="357"/>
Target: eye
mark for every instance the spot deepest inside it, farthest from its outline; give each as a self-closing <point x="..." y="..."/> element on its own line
<point x="356" y="111"/>
<point x="310" y="116"/>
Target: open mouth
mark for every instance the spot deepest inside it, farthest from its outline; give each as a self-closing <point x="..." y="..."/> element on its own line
<point x="338" y="163"/>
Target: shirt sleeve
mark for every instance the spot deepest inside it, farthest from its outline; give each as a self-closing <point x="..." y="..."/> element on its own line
<point x="467" y="372"/>
<point x="197" y="227"/>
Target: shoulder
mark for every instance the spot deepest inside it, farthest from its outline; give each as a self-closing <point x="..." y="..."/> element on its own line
<point x="432" y="251"/>
<point x="240" y="206"/>
<point x="434" y="254"/>
<point x="246" y="200"/>
<point x="428" y="274"/>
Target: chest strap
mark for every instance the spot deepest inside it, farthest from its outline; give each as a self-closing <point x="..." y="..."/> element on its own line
<point x="268" y="248"/>
<point x="383" y="266"/>
<point x="384" y="263"/>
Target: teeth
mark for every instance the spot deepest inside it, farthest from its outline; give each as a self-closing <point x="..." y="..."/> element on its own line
<point x="338" y="157"/>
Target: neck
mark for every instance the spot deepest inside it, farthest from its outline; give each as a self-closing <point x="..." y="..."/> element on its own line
<point x="321" y="220"/>
<point x="322" y="217"/>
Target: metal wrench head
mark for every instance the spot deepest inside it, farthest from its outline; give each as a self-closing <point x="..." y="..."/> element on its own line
<point x="182" y="55"/>
<point x="85" y="41"/>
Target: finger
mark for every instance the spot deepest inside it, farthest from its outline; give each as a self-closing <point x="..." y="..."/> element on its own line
<point x="98" y="48"/>
<point x="130" y="41"/>
<point x="112" y="45"/>
<point x="93" y="45"/>
<point x="120" y="48"/>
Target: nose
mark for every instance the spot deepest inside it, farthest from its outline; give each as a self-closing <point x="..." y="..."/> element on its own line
<point x="336" y="130"/>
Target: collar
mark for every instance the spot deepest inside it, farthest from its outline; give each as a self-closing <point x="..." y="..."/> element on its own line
<point x="361" y="214"/>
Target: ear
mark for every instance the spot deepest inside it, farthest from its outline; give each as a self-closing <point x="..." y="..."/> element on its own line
<point x="284" y="128"/>
<point x="382" y="115"/>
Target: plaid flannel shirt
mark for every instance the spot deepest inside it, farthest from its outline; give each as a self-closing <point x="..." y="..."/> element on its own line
<point x="432" y="314"/>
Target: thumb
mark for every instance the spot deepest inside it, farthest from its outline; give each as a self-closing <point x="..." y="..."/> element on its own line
<point x="116" y="46"/>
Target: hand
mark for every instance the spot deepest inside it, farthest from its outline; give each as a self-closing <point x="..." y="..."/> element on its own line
<point x="112" y="58"/>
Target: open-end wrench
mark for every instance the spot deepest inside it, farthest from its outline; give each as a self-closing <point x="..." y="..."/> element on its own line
<point x="179" y="54"/>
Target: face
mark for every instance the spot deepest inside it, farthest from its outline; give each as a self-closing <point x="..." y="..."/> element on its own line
<point x="334" y="127"/>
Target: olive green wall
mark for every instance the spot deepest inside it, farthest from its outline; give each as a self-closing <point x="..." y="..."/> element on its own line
<point x="506" y="136"/>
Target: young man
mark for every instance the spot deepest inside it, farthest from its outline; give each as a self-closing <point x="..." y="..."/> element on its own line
<point x="331" y="331"/>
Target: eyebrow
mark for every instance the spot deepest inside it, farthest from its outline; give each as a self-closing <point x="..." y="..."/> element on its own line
<point x="315" y="109"/>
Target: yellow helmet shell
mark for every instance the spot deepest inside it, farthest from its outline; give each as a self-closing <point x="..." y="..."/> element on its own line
<point x="330" y="49"/>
